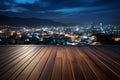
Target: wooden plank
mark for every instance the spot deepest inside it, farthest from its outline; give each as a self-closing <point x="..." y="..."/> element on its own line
<point x="4" y="50"/>
<point x="29" y="68"/>
<point x="66" y="67"/>
<point x="9" y="65"/>
<point x="86" y="70"/>
<point x="107" y="60"/>
<point x="10" y="72"/>
<point x="47" y="71"/>
<point x="76" y="67"/>
<point x="105" y="68"/>
<point x="34" y="62"/>
<point x="97" y="72"/>
<point x="109" y="53"/>
<point x="57" y="70"/>
<point x="23" y="63"/>
<point x="10" y="53"/>
<point x="12" y="57"/>
<point x="40" y="66"/>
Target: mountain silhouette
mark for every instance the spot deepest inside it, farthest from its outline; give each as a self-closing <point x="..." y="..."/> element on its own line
<point x="17" y="21"/>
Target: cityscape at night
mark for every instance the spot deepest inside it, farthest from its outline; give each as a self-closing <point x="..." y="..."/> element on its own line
<point x="61" y="35"/>
<point x="70" y="22"/>
<point x="59" y="39"/>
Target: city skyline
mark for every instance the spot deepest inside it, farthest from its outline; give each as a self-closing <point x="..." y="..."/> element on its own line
<point x="69" y="11"/>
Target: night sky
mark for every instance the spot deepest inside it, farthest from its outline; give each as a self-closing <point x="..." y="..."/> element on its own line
<point x="66" y="11"/>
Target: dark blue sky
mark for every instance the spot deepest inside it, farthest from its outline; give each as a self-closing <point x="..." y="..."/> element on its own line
<point x="67" y="11"/>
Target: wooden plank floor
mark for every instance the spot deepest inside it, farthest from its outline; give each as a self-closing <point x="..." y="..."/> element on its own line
<point x="33" y="62"/>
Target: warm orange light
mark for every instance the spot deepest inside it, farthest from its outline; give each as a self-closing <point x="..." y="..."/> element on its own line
<point x="117" y="39"/>
<point x="1" y="31"/>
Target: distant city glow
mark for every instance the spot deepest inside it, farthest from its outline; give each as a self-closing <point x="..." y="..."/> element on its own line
<point x="63" y="35"/>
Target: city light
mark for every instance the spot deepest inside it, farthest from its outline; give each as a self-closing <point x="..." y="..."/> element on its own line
<point x="63" y="35"/>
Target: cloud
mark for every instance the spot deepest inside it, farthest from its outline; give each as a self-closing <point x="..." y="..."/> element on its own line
<point x="65" y="6"/>
<point x="15" y="9"/>
<point x="69" y="10"/>
<point x="70" y="7"/>
<point x="87" y="10"/>
<point x="60" y="9"/>
<point x="89" y="1"/>
<point x="25" y="1"/>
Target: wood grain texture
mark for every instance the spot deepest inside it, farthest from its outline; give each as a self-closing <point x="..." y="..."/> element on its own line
<point x="40" y="62"/>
